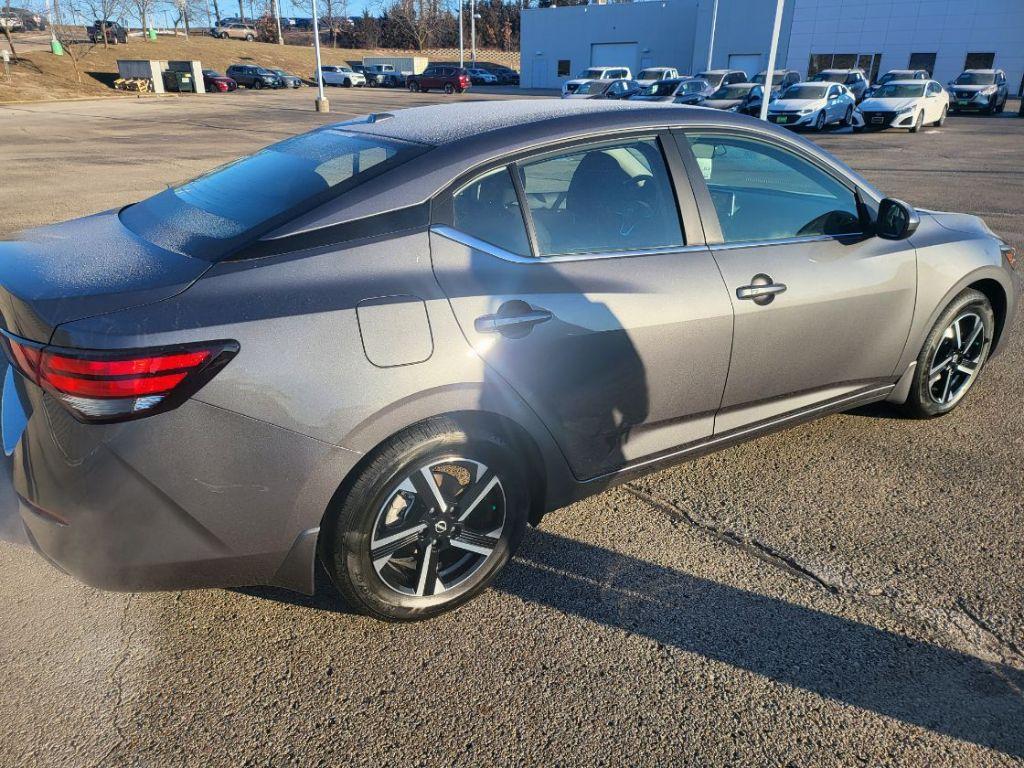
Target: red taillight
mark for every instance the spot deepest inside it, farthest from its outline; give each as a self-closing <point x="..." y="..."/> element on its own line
<point x="114" y="386"/>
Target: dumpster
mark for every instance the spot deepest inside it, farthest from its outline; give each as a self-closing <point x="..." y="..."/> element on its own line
<point x="180" y="82"/>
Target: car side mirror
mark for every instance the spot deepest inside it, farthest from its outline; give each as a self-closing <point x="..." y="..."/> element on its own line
<point x="896" y="220"/>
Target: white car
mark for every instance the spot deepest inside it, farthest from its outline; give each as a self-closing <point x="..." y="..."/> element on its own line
<point x="654" y="74"/>
<point x="903" y="104"/>
<point x="344" y="76"/>
<point x="813" y="105"/>
<point x="481" y="77"/>
<point x="595" y="73"/>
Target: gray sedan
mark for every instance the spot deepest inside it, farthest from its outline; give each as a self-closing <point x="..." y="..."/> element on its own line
<point x="390" y="344"/>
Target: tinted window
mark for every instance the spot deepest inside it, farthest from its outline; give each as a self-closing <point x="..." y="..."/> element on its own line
<point x="979" y="61"/>
<point x="762" y="192"/>
<point x="488" y="208"/>
<point x="976" y="78"/>
<point x="900" y="91"/>
<point x="605" y="198"/>
<point x="564" y="67"/>
<point x="662" y="88"/>
<point x="208" y="215"/>
<point x="832" y="77"/>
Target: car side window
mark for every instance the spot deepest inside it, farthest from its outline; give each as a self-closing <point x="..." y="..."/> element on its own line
<point x="604" y="198"/>
<point x="762" y="192"/>
<point x="488" y="208"/>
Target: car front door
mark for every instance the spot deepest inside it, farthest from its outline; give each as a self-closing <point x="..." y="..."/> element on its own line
<point x="580" y="281"/>
<point x="822" y="311"/>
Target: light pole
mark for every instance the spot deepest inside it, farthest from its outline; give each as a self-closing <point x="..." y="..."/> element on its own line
<point x="277" y="18"/>
<point x="462" y="45"/>
<point x="322" y="105"/>
<point x="472" y="27"/>
<point x="711" y="42"/>
<point x="770" y="76"/>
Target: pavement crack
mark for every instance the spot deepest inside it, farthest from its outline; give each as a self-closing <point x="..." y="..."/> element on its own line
<point x="748" y="544"/>
<point x="966" y="627"/>
<point x="117" y="680"/>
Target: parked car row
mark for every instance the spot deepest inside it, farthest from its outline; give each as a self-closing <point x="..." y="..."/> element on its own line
<point x="901" y="98"/>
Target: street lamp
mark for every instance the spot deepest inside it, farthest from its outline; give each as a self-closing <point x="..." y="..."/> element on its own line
<point x="462" y="45"/>
<point x="322" y="105"/>
<point x="711" y="42"/>
<point x="472" y="27"/>
<point x="770" y="76"/>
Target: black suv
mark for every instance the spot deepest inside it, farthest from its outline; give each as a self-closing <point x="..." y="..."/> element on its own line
<point x="254" y="77"/>
<point x="115" y="33"/>
<point x="979" y="90"/>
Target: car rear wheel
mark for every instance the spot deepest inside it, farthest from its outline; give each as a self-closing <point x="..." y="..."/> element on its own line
<point x="449" y="88"/>
<point x="953" y="355"/>
<point x="918" y="122"/>
<point x="428" y="523"/>
<point x="942" y="118"/>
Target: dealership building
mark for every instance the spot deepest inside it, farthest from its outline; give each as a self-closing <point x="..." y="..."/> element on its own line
<point x="942" y="36"/>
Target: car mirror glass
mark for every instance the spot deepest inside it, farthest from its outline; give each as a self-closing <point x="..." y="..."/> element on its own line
<point x="896" y="220"/>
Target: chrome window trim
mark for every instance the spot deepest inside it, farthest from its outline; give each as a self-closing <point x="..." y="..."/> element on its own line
<point x="477" y="244"/>
<point x="784" y="241"/>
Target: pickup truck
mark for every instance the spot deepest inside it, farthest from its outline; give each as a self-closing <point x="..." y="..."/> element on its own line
<point x="383" y="76"/>
<point x="115" y="33"/>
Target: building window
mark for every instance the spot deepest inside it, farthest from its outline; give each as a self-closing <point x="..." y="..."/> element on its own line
<point x="979" y="61"/>
<point x="924" y="61"/>
<point x="564" y="67"/>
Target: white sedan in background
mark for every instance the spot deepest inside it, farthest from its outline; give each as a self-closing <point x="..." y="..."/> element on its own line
<point x="903" y="104"/>
<point x="813" y="105"/>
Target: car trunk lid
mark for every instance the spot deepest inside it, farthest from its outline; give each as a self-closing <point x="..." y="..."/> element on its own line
<point x="82" y="268"/>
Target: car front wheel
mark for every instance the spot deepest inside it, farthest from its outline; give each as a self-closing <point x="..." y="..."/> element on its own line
<point x="819" y="122"/>
<point x="248" y="38"/>
<point x="918" y="123"/>
<point x="428" y="523"/>
<point x="942" y="118"/>
<point x="413" y="88"/>
<point x="848" y="118"/>
<point x="953" y="355"/>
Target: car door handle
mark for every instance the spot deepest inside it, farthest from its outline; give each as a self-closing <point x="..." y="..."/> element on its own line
<point x="512" y="321"/>
<point x="761" y="291"/>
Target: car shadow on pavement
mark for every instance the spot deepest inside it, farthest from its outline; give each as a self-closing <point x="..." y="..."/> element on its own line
<point x="916" y="682"/>
<point x="913" y="681"/>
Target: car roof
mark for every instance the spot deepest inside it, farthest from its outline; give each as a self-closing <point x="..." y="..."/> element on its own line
<point x="908" y="81"/>
<point x="981" y="71"/>
<point x="719" y="71"/>
<point x="468" y="135"/>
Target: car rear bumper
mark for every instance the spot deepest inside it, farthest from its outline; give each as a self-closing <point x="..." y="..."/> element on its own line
<point x="196" y="497"/>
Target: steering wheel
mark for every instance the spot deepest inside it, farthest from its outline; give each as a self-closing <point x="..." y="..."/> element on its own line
<point x="636" y="210"/>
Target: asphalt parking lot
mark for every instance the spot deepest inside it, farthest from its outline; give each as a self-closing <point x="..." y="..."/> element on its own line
<point x="848" y="592"/>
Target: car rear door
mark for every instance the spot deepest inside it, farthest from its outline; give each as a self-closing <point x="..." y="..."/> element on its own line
<point x="581" y="277"/>
<point x="822" y="311"/>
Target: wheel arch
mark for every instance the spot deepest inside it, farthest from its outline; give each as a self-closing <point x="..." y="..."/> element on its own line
<point x="996" y="295"/>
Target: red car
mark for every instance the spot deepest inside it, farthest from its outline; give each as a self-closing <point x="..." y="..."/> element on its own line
<point x="447" y="79"/>
<point x="215" y="81"/>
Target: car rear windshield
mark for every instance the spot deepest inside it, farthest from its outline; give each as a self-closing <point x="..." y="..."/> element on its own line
<point x="651" y="74"/>
<point x="777" y="79"/>
<point x="213" y="214"/>
<point x="899" y="91"/>
<point x="805" y="92"/>
<point x="976" y="78"/>
<point x="831" y="77"/>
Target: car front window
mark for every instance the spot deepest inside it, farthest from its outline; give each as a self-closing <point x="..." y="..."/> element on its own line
<point x="730" y="92"/>
<point x="691" y="86"/>
<point x="804" y="92"/>
<point x="762" y="192"/>
<point x="661" y="88"/>
<point x="899" y="91"/>
<point x="975" y="78"/>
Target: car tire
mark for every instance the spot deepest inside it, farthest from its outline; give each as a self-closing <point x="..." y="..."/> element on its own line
<point x="414" y="88"/>
<point x="1000" y="107"/>
<point x="258" y="85"/>
<point x="848" y="118"/>
<point x="819" y="122"/>
<point x="449" y="89"/>
<point x="930" y="396"/>
<point x="397" y="492"/>
<point x="942" y="118"/>
<point x="248" y="38"/>
<point x="918" y="122"/>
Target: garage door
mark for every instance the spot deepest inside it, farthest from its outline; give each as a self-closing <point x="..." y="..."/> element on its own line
<point x="614" y="55"/>
<point x="748" y="62"/>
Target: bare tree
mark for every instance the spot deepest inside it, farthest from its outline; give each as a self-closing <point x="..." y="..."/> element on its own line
<point x="70" y="36"/>
<point x="7" y="30"/>
<point x="145" y="9"/>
